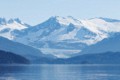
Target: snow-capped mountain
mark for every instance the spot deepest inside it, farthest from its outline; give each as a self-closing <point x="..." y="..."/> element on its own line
<point x="8" y="28"/>
<point x="60" y="29"/>
<point x="63" y="36"/>
<point x="111" y="44"/>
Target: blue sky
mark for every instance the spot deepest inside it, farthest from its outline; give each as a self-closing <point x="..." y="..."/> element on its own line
<point x="36" y="11"/>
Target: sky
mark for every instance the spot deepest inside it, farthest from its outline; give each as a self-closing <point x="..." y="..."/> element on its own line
<point x="36" y="11"/>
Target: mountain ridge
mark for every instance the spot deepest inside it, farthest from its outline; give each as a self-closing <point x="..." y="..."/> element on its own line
<point x="26" y="51"/>
<point x="66" y="33"/>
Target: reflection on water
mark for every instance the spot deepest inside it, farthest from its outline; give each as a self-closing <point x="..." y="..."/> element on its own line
<point x="59" y="72"/>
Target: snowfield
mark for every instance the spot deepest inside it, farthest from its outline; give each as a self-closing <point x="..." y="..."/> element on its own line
<point x="60" y="36"/>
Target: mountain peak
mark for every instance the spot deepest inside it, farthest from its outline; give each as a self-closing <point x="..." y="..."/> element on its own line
<point x="18" y="20"/>
<point x="2" y="21"/>
<point x="15" y="20"/>
<point x="10" y="21"/>
<point x="64" y="20"/>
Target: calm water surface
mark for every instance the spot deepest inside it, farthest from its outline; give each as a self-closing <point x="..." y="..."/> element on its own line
<point x="59" y="72"/>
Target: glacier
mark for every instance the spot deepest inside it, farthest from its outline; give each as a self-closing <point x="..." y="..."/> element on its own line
<point x="60" y="36"/>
